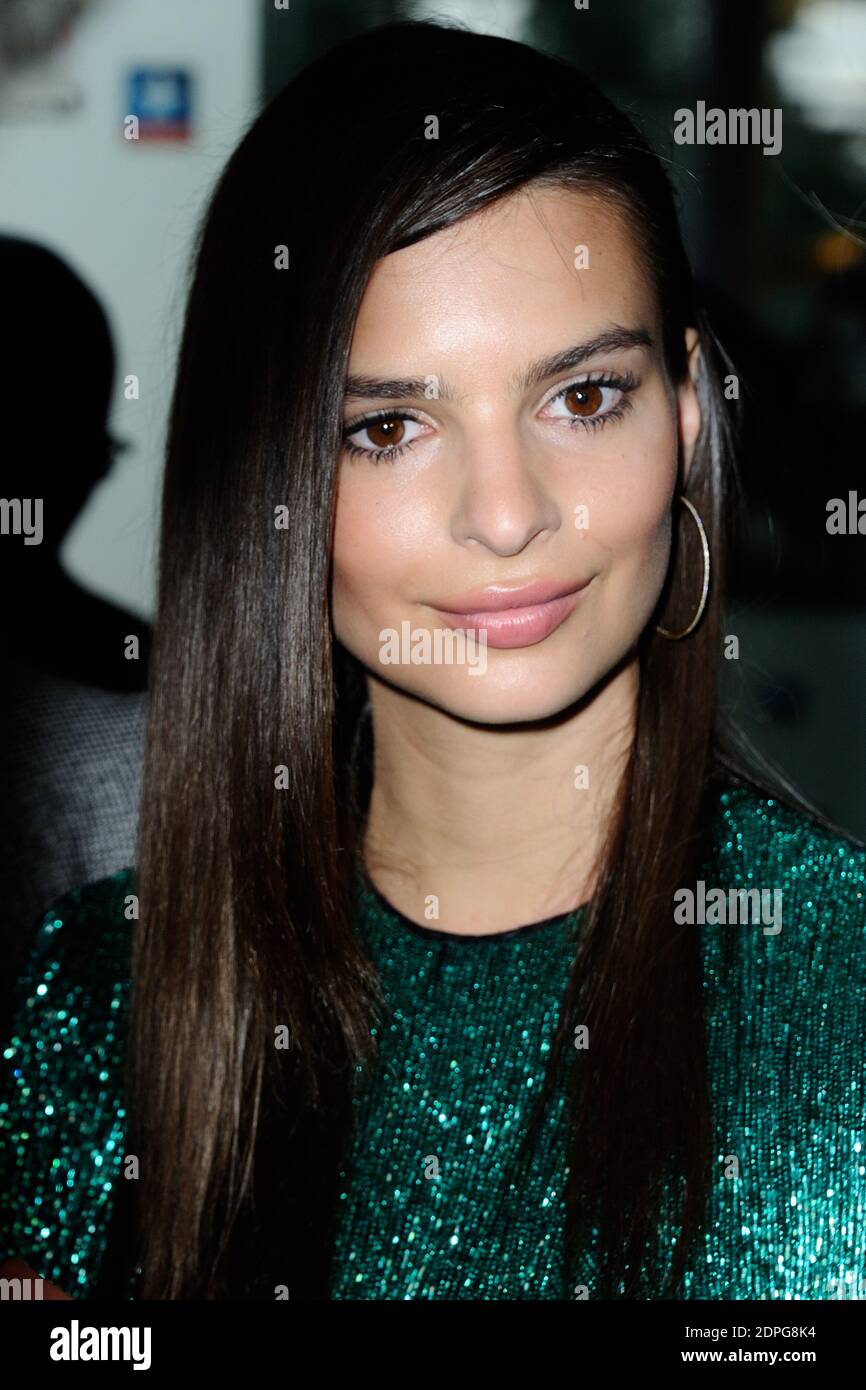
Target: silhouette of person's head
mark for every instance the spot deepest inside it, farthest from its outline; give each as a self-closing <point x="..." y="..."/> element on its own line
<point x="57" y="377"/>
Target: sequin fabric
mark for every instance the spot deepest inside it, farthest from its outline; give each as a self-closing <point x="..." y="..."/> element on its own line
<point x="431" y="1206"/>
<point x="460" y="1063"/>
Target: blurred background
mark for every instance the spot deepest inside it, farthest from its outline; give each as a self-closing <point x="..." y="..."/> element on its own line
<point x="778" y="243"/>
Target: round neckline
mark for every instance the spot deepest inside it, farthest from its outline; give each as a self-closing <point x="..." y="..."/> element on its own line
<point x="531" y="929"/>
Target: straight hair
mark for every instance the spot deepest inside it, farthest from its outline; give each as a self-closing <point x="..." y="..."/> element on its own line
<point x="256" y="771"/>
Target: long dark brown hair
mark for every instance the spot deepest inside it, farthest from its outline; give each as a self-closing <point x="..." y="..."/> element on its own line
<point x="245" y="871"/>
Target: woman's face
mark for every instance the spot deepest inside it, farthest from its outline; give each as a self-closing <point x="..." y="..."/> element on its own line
<point x="526" y="500"/>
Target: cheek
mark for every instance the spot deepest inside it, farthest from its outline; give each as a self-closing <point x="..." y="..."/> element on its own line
<point x="353" y="569"/>
<point x="379" y="532"/>
<point x="633" y="512"/>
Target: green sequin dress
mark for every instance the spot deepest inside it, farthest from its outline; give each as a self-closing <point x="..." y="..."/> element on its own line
<point x="424" y="1209"/>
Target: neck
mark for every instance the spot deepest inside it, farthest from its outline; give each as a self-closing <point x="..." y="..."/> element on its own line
<point x="487" y="819"/>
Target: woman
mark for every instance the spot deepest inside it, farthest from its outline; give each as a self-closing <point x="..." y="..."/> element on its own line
<point x="443" y="980"/>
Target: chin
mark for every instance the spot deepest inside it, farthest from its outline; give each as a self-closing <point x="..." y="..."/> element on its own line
<point x="494" y="700"/>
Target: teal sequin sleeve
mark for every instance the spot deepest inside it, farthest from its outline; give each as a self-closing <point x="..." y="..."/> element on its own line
<point x="426" y="1210"/>
<point x="61" y="1114"/>
<point x="786" y="1019"/>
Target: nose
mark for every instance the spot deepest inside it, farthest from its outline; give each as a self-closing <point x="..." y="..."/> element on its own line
<point x="502" y="502"/>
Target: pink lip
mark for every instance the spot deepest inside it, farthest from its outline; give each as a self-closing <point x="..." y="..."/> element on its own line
<point x="518" y="617"/>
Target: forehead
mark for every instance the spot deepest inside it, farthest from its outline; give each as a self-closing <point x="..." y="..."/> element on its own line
<point x="538" y="269"/>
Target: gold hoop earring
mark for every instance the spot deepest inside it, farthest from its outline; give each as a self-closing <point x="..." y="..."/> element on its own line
<point x="675" y="636"/>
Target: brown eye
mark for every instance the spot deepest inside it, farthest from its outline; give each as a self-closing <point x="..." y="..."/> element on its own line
<point x="584" y="399"/>
<point x="384" y="433"/>
<point x="382" y="437"/>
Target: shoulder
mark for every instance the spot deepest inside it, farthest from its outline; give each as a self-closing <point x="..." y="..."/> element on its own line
<point x="783" y="909"/>
<point x="784" y="931"/>
<point x="81" y="953"/>
<point x="766" y="843"/>
<point x="77" y="970"/>
<point x="90" y="926"/>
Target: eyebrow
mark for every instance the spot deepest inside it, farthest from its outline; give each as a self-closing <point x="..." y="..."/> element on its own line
<point x="613" y="339"/>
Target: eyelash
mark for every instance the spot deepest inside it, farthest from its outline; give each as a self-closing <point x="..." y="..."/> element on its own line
<point x="624" y="383"/>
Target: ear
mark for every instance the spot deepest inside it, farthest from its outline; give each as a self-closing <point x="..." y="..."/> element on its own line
<point x="688" y="408"/>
